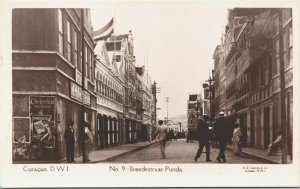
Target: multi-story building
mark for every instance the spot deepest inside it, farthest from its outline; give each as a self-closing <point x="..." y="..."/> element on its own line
<point x="194" y="110"/>
<point x="254" y="43"/>
<point x="144" y="103"/>
<point x="110" y="94"/>
<point x="127" y="60"/>
<point x="122" y="108"/>
<point x="282" y="44"/>
<point x="216" y="76"/>
<point x="140" y="131"/>
<point x="147" y="109"/>
<point x="53" y="80"/>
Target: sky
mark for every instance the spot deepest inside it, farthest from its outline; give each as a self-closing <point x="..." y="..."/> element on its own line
<point x="174" y="40"/>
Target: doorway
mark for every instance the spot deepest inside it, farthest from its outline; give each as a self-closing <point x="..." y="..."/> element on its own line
<point x="266" y="127"/>
<point x="252" y="128"/>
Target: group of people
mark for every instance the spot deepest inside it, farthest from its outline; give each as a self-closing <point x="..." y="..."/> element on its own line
<point x="221" y="131"/>
<point x="69" y="136"/>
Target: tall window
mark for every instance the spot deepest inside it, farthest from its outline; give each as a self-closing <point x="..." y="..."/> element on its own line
<point x="285" y="48"/>
<point x="86" y="62"/>
<point x="69" y="40"/>
<point x="91" y="66"/>
<point x="277" y="57"/>
<point x="75" y="49"/>
<point x="60" y="35"/>
<point x="290" y="46"/>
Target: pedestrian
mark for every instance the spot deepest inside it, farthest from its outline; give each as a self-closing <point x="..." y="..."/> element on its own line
<point x="188" y="133"/>
<point x="236" y="138"/>
<point x="222" y="136"/>
<point x="70" y="140"/>
<point x="215" y="142"/>
<point x="162" y="132"/>
<point x="175" y="135"/>
<point x="88" y="141"/>
<point x="203" y="136"/>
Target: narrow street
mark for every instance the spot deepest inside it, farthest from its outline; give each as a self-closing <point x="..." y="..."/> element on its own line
<point x="179" y="152"/>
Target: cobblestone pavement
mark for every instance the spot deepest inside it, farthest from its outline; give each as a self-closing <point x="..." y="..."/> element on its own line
<point x="180" y="152"/>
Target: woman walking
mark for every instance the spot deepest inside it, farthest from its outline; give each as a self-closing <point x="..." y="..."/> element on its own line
<point x="236" y="138"/>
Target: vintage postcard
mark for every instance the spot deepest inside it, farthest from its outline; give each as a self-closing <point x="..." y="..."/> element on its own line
<point x="149" y="93"/>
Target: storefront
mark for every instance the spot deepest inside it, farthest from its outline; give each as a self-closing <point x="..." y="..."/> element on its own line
<point x="130" y="130"/>
<point x="108" y="131"/>
<point x="39" y="135"/>
<point x="35" y="136"/>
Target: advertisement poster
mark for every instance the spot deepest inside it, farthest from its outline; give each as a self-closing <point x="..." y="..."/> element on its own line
<point x="43" y="127"/>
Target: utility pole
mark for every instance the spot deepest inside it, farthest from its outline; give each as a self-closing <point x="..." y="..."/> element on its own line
<point x="154" y="91"/>
<point x="167" y="100"/>
<point x="282" y="93"/>
<point x="211" y="96"/>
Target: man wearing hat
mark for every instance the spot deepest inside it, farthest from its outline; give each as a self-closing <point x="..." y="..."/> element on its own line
<point x="203" y="135"/>
<point x="70" y="140"/>
<point x="221" y="135"/>
<point x="162" y="132"/>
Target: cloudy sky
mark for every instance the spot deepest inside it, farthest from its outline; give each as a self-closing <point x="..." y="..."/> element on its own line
<point x="175" y="40"/>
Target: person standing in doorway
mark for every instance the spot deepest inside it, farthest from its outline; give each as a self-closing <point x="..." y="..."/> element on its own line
<point x="88" y="141"/>
<point x="222" y="136"/>
<point x="203" y="136"/>
<point x="70" y="140"/>
<point x="162" y="132"/>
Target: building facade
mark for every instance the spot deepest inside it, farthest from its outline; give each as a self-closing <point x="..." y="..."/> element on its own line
<point x="194" y="110"/>
<point x="110" y="95"/>
<point x="121" y="47"/>
<point x="252" y="47"/>
<point x="147" y="108"/>
<point x="141" y="131"/>
<point x="53" y="81"/>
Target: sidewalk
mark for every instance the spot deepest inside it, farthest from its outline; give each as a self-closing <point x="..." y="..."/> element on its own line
<point x="108" y="154"/>
<point x="259" y="154"/>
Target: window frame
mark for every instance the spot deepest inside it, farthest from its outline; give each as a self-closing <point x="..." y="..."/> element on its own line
<point x="69" y="41"/>
<point x="60" y="32"/>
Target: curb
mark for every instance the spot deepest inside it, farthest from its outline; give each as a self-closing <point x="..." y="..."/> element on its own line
<point x="124" y="153"/>
<point x="255" y="157"/>
<point x="260" y="158"/>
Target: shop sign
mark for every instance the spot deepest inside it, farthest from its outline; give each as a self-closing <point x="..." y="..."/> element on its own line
<point x="87" y="98"/>
<point x="76" y="92"/>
